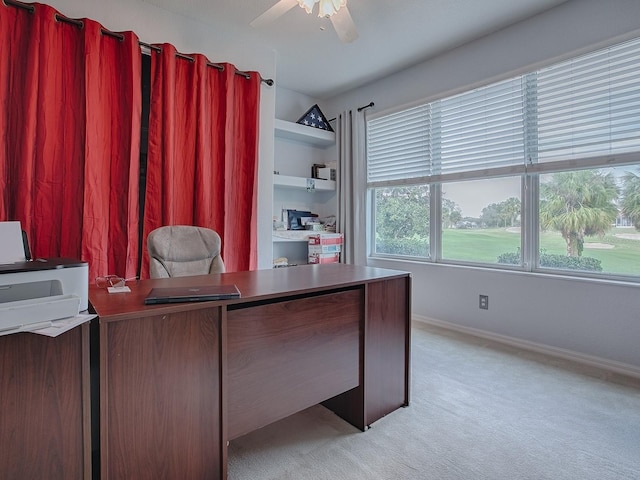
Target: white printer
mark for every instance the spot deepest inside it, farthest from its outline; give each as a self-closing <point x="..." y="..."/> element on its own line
<point x="34" y="293"/>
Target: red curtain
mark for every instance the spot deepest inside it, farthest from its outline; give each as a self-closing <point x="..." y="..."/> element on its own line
<point x="70" y="104"/>
<point x="203" y="152"/>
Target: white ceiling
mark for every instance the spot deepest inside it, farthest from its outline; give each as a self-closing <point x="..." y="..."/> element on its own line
<point x="394" y="34"/>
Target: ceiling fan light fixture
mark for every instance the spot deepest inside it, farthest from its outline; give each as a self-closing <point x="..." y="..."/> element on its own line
<point x="326" y="8"/>
<point x="342" y="22"/>
<point x="307" y="4"/>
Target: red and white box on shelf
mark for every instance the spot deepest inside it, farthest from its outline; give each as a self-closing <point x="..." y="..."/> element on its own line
<point x="324" y="258"/>
<point x="326" y="239"/>
<point x="325" y="247"/>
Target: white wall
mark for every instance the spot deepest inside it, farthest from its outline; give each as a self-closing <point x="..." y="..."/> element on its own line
<point x="291" y="105"/>
<point x="155" y="25"/>
<point x="569" y="29"/>
<point x="594" y="321"/>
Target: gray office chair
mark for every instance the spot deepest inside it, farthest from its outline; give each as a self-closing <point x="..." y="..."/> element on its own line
<point x="183" y="250"/>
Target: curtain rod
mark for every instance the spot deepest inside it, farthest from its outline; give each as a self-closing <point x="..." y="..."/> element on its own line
<point x="26" y="6"/>
<point x="119" y="36"/>
<point x="246" y="75"/>
<point x="369" y="105"/>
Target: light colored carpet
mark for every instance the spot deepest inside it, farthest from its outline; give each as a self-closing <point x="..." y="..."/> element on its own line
<point x="479" y="410"/>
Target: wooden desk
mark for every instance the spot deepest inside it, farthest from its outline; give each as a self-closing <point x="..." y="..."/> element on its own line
<point x="178" y="381"/>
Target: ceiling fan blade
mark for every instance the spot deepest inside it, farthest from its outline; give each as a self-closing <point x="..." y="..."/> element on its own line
<point x="279" y="9"/>
<point x="344" y="26"/>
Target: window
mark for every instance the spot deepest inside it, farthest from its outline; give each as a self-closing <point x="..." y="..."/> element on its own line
<point x="585" y="221"/>
<point x="539" y="172"/>
<point x="481" y="220"/>
<point x="402" y="221"/>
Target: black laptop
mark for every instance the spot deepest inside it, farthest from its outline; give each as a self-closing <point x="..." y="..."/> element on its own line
<point x="203" y="293"/>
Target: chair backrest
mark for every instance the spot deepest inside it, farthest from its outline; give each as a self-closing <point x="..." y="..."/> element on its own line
<point x="183" y="250"/>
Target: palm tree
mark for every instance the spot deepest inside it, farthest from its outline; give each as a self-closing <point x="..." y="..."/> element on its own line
<point x="578" y="204"/>
<point x="631" y="198"/>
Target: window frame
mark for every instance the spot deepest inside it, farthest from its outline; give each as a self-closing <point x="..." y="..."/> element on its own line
<point x="529" y="171"/>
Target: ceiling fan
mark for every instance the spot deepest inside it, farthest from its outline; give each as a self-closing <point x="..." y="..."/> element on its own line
<point x="335" y="10"/>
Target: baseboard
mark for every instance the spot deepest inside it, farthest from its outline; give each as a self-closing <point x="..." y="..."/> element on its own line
<point x="592" y="361"/>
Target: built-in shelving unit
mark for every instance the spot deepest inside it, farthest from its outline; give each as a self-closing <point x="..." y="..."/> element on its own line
<point x="297" y="148"/>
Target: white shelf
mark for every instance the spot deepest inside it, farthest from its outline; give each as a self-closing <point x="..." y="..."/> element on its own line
<point x="301" y="239"/>
<point x="301" y="183"/>
<point x="297" y="236"/>
<point x="303" y="133"/>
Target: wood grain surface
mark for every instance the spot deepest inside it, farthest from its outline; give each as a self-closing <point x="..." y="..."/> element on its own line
<point x="43" y="385"/>
<point x="286" y="356"/>
<point x="161" y="416"/>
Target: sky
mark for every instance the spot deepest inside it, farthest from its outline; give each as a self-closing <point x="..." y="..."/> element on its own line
<point x="472" y="196"/>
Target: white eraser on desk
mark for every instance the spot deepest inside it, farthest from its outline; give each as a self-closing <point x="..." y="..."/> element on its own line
<point x="124" y="289"/>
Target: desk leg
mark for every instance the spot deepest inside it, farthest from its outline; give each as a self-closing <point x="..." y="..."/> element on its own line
<point x="385" y="356"/>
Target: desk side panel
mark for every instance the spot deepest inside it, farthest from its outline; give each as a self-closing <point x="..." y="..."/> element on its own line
<point x="160" y="399"/>
<point x="289" y="355"/>
<point x="387" y="347"/>
<point x="385" y="358"/>
<point x="42" y="390"/>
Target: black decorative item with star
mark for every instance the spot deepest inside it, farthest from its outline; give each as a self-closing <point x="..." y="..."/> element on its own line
<point x="315" y="118"/>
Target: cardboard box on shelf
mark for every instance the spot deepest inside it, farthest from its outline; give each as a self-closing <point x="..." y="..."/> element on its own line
<point x="327" y="173"/>
<point x="324" y="258"/>
<point x="326" y="239"/>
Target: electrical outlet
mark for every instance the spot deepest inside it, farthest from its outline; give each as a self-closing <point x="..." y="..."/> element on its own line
<point x="484" y="302"/>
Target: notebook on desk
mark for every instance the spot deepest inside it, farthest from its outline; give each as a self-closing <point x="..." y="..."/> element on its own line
<point x="203" y="293"/>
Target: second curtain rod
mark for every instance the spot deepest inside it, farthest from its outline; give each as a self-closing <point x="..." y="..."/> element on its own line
<point x="368" y="105"/>
<point x="119" y="36"/>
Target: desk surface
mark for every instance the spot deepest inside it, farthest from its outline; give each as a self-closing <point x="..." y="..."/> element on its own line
<point x="258" y="285"/>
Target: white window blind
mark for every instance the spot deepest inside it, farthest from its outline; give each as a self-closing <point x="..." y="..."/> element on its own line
<point x="398" y="145"/>
<point x="590" y="105"/>
<point x="583" y="108"/>
<point x="479" y="130"/>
